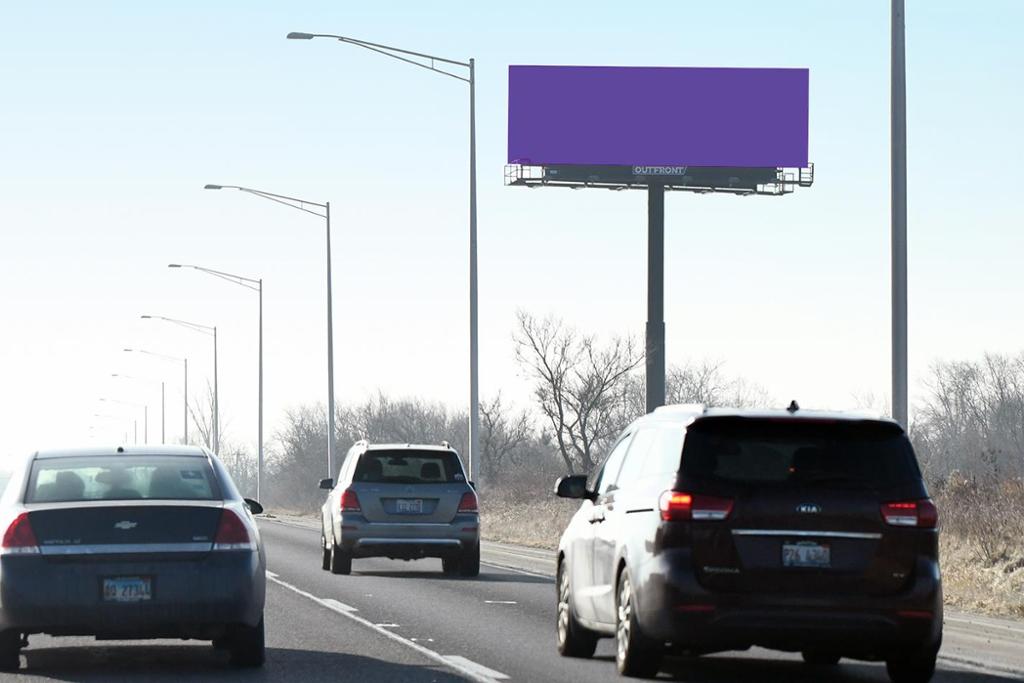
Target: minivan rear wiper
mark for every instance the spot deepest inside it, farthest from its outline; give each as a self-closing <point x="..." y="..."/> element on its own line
<point x="837" y="479"/>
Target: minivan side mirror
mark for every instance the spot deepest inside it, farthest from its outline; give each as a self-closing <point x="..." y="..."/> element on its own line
<point x="327" y="484"/>
<point x="574" y="486"/>
<point x="254" y="507"/>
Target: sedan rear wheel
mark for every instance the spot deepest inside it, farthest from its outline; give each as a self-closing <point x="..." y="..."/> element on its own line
<point x="572" y="639"/>
<point x="635" y="654"/>
<point x="10" y="650"/>
<point x="247" y="645"/>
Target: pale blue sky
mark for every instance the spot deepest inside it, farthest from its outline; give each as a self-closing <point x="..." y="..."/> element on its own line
<point x="114" y="114"/>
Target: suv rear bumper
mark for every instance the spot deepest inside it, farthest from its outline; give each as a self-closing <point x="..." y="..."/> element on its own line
<point x="407" y="540"/>
<point x="673" y="606"/>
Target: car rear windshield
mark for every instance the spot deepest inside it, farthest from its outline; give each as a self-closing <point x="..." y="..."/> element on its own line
<point x="125" y="477"/>
<point x="799" y="453"/>
<point x="408" y="467"/>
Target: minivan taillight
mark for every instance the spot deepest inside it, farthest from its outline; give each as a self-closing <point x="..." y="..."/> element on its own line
<point x="468" y="502"/>
<point x="350" y="501"/>
<point x="916" y="513"/>
<point x="20" y="539"/>
<point x="677" y="506"/>
<point x="232" y="533"/>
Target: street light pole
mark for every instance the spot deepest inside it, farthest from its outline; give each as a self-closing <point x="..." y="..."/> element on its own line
<point x="145" y="417"/>
<point x="257" y="286"/>
<point x="430" y="63"/>
<point x="900" y="408"/>
<point x="208" y="330"/>
<point x="162" y="403"/>
<point x="184" y="438"/>
<point x="301" y="205"/>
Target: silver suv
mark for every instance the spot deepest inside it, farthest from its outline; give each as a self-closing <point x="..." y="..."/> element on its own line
<point x="402" y="501"/>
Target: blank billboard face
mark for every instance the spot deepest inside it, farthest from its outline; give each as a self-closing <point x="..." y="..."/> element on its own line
<point x="657" y="116"/>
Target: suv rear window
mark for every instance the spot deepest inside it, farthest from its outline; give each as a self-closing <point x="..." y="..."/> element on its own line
<point x="124" y="477"/>
<point x="407" y="466"/>
<point x="799" y="453"/>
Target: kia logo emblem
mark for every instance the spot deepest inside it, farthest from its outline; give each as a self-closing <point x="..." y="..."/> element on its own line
<point x="126" y="525"/>
<point x="808" y="509"/>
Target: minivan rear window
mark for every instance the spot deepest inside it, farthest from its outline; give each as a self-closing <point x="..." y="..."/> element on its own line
<point x="121" y="477"/>
<point x="800" y="453"/>
<point x="407" y="466"/>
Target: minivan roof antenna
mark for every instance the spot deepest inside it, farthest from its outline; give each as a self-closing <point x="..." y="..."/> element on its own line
<point x="793" y="406"/>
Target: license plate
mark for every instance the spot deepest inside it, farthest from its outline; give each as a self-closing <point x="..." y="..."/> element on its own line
<point x="128" y="589"/>
<point x="806" y="554"/>
<point x="409" y="506"/>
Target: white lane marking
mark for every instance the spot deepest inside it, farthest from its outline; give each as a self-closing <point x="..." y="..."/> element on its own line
<point x="480" y="669"/>
<point x="501" y="602"/>
<point x="466" y="667"/>
<point x="335" y="605"/>
<point x="271" y="574"/>
<point x="389" y="625"/>
<point x="976" y="665"/>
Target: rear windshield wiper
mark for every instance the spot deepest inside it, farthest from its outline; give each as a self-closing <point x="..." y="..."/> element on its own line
<point x="837" y="479"/>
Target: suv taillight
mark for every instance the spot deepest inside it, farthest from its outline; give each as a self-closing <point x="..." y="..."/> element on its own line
<point x="916" y="513"/>
<point x="232" y="533"/>
<point x="469" y="503"/>
<point x="677" y="506"/>
<point x="20" y="539"/>
<point x="350" y="501"/>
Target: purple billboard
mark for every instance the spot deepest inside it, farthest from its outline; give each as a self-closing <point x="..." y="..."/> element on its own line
<point x="657" y="116"/>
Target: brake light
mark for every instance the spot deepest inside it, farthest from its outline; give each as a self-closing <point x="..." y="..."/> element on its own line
<point x="677" y="506"/>
<point x="350" y="501"/>
<point x="20" y="539"/>
<point x="232" y="533"/>
<point x="469" y="503"/>
<point x="917" y="513"/>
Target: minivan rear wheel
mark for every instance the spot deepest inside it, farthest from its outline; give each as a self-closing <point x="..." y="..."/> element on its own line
<point x="635" y="654"/>
<point x="917" y="667"/>
<point x="573" y="640"/>
<point x="10" y="650"/>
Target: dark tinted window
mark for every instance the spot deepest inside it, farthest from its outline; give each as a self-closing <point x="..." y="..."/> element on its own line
<point x="122" y="477"/>
<point x="784" y="452"/>
<point x="408" y="466"/>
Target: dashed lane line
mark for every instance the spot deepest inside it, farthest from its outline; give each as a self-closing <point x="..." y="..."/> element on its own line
<point x="465" y="667"/>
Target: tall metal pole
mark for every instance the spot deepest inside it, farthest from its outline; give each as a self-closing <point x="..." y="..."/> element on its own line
<point x="145" y="424"/>
<point x="136" y="423"/>
<point x="330" y="354"/>
<point x="216" y="398"/>
<point x="899" y="215"/>
<point x="259" y="463"/>
<point x="474" y="339"/>
<point x="184" y="437"/>
<point x="655" y="351"/>
<point x="163" y="414"/>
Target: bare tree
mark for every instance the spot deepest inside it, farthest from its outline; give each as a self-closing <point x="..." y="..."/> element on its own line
<point x="503" y="436"/>
<point x="578" y="385"/>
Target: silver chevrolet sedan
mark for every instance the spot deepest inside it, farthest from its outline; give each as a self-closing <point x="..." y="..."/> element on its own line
<point x="127" y="543"/>
<point x="402" y="501"/>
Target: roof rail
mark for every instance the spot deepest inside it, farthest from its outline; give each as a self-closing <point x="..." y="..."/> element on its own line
<point x="446" y="444"/>
<point x="362" y="442"/>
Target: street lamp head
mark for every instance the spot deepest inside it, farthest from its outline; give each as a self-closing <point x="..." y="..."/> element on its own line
<point x="297" y="35"/>
<point x="213" y="187"/>
<point x="146" y="317"/>
<point x="128" y="350"/>
<point x="174" y="265"/>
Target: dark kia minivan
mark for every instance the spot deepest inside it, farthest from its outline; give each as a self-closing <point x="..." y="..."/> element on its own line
<point x="712" y="530"/>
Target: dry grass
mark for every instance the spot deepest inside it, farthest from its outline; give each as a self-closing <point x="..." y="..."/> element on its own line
<point x="981" y="540"/>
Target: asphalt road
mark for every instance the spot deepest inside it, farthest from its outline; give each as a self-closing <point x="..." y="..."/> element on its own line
<point x="405" y="621"/>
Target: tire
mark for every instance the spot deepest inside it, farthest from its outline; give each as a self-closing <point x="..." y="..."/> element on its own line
<point x="571" y="639"/>
<point x="636" y="655"/>
<point x="469" y="563"/>
<point x="817" y="658"/>
<point x="450" y="565"/>
<point x="10" y="651"/>
<point x="340" y="561"/>
<point x="917" y="667"/>
<point x="247" y="646"/>
<point x="325" y="553"/>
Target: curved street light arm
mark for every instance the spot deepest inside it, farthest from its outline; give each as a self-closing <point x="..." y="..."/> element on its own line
<point x="393" y="52"/>
<point x="247" y="282"/>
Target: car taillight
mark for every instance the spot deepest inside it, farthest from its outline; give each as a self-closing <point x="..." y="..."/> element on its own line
<point x="468" y="503"/>
<point x="350" y="501"/>
<point x="20" y="539"/>
<point x="232" y="533"/>
<point x="677" y="506"/>
<point x="915" y="513"/>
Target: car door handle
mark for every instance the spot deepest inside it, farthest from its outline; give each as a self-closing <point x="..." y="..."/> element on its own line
<point x="597" y="517"/>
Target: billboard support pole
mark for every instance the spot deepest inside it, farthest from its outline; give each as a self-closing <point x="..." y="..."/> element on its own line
<point x="899" y="215"/>
<point x="655" y="341"/>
